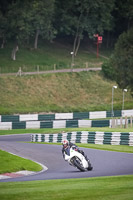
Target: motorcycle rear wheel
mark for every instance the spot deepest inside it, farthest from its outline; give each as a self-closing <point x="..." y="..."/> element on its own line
<point x="89" y="166"/>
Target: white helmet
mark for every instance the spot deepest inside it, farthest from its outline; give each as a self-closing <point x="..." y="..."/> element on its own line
<point x="65" y="143"/>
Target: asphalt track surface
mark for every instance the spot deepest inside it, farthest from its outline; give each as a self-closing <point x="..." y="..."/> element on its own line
<point x="105" y="163"/>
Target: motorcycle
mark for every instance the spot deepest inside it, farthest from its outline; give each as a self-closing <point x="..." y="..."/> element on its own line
<point x="76" y="159"/>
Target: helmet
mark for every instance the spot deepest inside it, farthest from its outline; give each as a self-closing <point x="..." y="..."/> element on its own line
<point x="65" y="143"/>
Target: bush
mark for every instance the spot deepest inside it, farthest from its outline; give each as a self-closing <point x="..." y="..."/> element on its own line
<point x="123" y="60"/>
<point x="107" y="70"/>
<point x="120" y="65"/>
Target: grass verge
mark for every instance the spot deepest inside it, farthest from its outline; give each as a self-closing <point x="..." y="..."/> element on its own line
<point x="102" y="188"/>
<point x="12" y="163"/>
<point x="118" y="148"/>
<point x="60" y="130"/>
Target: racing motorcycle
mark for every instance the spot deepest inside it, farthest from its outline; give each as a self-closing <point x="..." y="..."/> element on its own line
<point x="76" y="159"/>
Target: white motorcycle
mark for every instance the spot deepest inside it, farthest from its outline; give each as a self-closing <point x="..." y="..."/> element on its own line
<point x="76" y="159"/>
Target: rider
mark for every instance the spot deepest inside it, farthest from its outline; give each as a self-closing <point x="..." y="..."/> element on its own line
<point x="66" y="144"/>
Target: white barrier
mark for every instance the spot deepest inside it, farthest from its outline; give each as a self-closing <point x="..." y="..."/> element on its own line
<point x="5" y="125"/>
<point x="59" y="124"/>
<point x="29" y="117"/>
<point x="64" y="116"/>
<point x="97" y="115"/>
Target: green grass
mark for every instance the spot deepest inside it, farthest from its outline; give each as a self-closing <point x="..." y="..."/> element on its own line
<point x="45" y="57"/>
<point x="13" y="163"/>
<point x="59" y="130"/>
<point x="62" y="92"/>
<point x="103" y="188"/>
<point x="66" y="92"/>
<point x="117" y="148"/>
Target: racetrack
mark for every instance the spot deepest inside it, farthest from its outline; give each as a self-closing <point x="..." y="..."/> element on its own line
<point x="105" y="163"/>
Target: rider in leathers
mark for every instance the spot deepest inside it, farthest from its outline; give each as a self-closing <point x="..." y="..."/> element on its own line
<point x="66" y="144"/>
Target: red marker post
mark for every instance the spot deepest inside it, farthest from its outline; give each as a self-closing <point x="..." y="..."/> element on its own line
<point x="99" y="41"/>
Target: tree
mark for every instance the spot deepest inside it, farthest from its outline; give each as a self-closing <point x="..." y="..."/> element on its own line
<point x="120" y="65"/>
<point x="28" y="18"/>
<point x="42" y="12"/>
<point x="123" y="60"/>
<point x="4" y="31"/>
<point x="123" y="15"/>
<point x="79" y="17"/>
<point x="19" y="19"/>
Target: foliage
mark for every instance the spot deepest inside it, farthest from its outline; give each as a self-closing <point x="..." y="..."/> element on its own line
<point x="90" y="16"/>
<point x="24" y="19"/>
<point x="123" y="16"/>
<point x="107" y="70"/>
<point x="78" y="18"/>
<point x="42" y="17"/>
<point x="122" y="60"/>
<point x="27" y="19"/>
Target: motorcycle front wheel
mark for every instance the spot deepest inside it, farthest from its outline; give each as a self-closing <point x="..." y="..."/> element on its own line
<point x="77" y="162"/>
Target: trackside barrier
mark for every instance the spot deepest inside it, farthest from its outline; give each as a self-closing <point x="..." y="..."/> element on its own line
<point x="60" y="124"/>
<point x="112" y="138"/>
<point x="65" y="116"/>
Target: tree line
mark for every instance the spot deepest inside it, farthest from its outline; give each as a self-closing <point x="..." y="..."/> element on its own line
<point x="23" y="21"/>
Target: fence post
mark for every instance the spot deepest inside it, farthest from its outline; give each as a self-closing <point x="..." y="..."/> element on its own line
<point x="38" y="68"/>
<point x="86" y="64"/>
<point x="116" y="124"/>
<point x="126" y="122"/>
<point x="113" y="123"/>
<point x="131" y="121"/>
<point x="54" y="66"/>
<point x="19" y="71"/>
<point x="121" y="122"/>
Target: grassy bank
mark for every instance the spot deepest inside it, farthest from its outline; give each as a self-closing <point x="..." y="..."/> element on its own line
<point x="67" y="92"/>
<point x="103" y="188"/>
<point x="64" y="92"/>
<point x="12" y="163"/>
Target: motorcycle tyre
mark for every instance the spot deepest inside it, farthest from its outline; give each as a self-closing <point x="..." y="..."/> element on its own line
<point x="82" y="169"/>
<point x="90" y="167"/>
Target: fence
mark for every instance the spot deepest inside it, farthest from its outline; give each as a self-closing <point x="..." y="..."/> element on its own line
<point x="112" y="138"/>
<point x="58" y="124"/>
<point x="55" y="68"/>
<point x="65" y="116"/>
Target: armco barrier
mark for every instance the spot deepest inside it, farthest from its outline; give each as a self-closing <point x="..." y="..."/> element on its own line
<point x="58" y="124"/>
<point x="65" y="116"/>
<point x="112" y="138"/>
